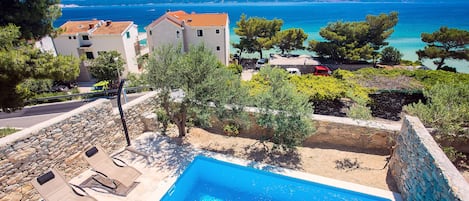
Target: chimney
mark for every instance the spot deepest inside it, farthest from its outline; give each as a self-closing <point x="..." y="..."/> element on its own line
<point x="108" y="22"/>
<point x="91" y="26"/>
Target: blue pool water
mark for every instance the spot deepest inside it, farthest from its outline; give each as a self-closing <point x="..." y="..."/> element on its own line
<point x="209" y="179"/>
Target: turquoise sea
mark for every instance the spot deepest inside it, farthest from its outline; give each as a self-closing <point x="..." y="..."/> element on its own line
<point x="415" y="16"/>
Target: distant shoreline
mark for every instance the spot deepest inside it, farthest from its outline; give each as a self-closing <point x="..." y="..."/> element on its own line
<point x="414" y="18"/>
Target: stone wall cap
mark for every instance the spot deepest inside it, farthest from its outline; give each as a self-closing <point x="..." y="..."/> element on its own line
<point x="136" y="101"/>
<point x="357" y="122"/>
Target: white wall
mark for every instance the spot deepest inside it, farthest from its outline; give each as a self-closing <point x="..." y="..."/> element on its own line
<point x="211" y="39"/>
<point x="129" y="46"/>
<point x="66" y="46"/>
<point x="164" y="33"/>
<point x="101" y="42"/>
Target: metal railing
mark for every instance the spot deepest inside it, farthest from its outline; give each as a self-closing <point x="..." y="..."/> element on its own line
<point x="105" y="93"/>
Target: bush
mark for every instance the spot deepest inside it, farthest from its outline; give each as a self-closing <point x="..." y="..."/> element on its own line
<point x="319" y="88"/>
<point x="357" y="111"/>
<point x="163" y="119"/>
<point x="231" y="129"/>
<point x="391" y="56"/>
<point x="235" y="68"/>
<point x="420" y="78"/>
<point x="134" y="80"/>
<point x="447" y="110"/>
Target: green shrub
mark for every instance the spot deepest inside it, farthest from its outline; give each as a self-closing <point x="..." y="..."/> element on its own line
<point x="391" y="56"/>
<point x="235" y="68"/>
<point x="135" y="80"/>
<point x="329" y="88"/>
<point x="231" y="129"/>
<point x="357" y="111"/>
<point x="163" y="118"/>
<point x="447" y="110"/>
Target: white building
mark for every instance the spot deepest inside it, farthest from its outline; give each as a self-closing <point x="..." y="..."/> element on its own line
<point x="179" y="27"/>
<point x="89" y="38"/>
<point x="46" y="45"/>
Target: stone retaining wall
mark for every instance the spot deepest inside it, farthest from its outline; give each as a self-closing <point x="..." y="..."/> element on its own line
<point x="331" y="131"/>
<point x="421" y="169"/>
<point x="351" y="133"/>
<point x="58" y="142"/>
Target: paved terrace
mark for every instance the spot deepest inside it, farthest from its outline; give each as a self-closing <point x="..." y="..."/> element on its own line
<point x="168" y="158"/>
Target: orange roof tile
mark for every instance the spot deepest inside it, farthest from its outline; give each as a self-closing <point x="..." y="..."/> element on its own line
<point x="74" y="27"/>
<point x="207" y="19"/>
<point x="193" y="19"/>
<point x="113" y="28"/>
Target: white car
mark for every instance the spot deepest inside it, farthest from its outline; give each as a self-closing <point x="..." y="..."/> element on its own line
<point x="260" y="63"/>
<point x="293" y="71"/>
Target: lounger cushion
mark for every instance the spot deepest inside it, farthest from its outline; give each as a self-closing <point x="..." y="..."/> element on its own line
<point x="45" y="178"/>
<point x="91" y="152"/>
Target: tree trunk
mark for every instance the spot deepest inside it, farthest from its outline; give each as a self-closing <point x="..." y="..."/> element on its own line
<point x="181" y="128"/>
<point x="181" y="120"/>
<point x="440" y="64"/>
<point x="260" y="52"/>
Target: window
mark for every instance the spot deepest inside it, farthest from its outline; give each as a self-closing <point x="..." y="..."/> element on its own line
<point x="85" y="37"/>
<point x="89" y="55"/>
<point x="217" y="31"/>
<point x="70" y="37"/>
<point x="200" y="33"/>
<point x="218" y="48"/>
<point x="127" y="34"/>
<point x="74" y="37"/>
<point x="151" y="32"/>
<point x="177" y="34"/>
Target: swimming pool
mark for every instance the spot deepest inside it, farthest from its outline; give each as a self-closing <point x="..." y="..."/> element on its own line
<point x="210" y="179"/>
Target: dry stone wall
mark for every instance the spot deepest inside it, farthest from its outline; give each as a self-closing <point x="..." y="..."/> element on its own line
<point x="331" y="131"/>
<point x="421" y="169"/>
<point x="57" y="143"/>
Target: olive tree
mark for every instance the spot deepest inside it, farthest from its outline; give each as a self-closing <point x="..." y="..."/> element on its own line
<point x="284" y="112"/>
<point x="193" y="85"/>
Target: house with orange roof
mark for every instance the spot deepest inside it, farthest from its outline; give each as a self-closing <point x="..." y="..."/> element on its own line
<point x="90" y="38"/>
<point x="179" y="27"/>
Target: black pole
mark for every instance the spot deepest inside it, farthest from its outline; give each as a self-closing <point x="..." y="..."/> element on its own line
<point x="121" y="112"/>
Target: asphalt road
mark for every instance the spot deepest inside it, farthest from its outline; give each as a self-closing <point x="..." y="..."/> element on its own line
<point x="32" y="115"/>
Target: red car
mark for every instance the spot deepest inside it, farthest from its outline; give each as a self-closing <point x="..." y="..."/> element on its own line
<point x="322" y="71"/>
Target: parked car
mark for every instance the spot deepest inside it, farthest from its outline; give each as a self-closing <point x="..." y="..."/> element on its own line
<point x="100" y="86"/>
<point x="260" y="63"/>
<point x="63" y="86"/>
<point x="293" y="71"/>
<point x="322" y="71"/>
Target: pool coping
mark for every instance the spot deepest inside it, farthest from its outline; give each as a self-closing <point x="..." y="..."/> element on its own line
<point x="166" y="184"/>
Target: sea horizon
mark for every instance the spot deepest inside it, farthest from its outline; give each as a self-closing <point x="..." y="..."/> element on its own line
<point x="415" y="17"/>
